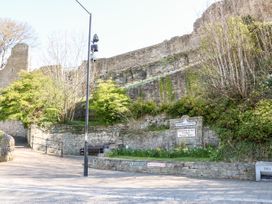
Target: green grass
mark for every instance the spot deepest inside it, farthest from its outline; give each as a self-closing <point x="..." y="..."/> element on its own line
<point x="186" y="159"/>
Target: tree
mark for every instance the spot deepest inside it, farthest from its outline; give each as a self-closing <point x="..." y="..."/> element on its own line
<point x="65" y="53"/>
<point x="33" y="99"/>
<point x="110" y="102"/>
<point x="233" y="52"/>
<point x="11" y="33"/>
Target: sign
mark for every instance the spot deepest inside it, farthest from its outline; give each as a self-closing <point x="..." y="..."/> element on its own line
<point x="190" y="132"/>
<point x="155" y="164"/>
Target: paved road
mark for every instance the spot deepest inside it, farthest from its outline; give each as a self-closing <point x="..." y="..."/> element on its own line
<point x="38" y="178"/>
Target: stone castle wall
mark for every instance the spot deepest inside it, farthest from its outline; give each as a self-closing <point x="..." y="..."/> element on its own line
<point x="17" y="62"/>
<point x="141" y="70"/>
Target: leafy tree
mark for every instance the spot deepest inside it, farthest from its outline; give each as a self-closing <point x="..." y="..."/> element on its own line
<point x="33" y="99"/>
<point x="110" y="102"/>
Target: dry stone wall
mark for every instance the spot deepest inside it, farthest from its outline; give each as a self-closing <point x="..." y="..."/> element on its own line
<point x="134" y="136"/>
<point x="220" y="170"/>
<point x="69" y="140"/>
<point x="13" y="128"/>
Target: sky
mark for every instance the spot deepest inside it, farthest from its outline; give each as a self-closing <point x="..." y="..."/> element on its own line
<point x="122" y="25"/>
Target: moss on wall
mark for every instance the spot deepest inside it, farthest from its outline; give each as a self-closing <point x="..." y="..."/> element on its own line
<point x="166" y="90"/>
<point x="193" y="82"/>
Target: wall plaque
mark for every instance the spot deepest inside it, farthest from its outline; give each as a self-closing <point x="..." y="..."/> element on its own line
<point x="156" y="164"/>
<point x="189" y="132"/>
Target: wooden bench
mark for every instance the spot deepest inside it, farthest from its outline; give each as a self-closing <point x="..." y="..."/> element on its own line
<point x="95" y="149"/>
<point x="263" y="170"/>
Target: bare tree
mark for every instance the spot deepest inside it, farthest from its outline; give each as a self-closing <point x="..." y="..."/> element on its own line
<point x="11" y="33"/>
<point x="231" y="50"/>
<point x="65" y="54"/>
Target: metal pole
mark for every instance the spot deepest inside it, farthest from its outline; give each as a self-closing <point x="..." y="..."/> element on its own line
<point x="87" y="101"/>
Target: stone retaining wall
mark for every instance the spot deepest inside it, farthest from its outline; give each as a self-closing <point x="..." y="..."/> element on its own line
<point x="70" y="142"/>
<point x="13" y="128"/>
<point x="242" y="171"/>
<point x="61" y="137"/>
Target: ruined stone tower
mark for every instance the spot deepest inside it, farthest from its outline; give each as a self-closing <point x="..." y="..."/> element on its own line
<point x="17" y="61"/>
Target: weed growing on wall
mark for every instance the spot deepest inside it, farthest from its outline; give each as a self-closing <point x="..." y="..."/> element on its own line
<point x="166" y="90"/>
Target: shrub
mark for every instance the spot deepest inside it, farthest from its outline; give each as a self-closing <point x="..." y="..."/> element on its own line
<point x="1" y="135"/>
<point x="110" y="102"/>
<point x="256" y="125"/>
<point x="140" y="108"/>
<point x="188" y="105"/>
<point x="155" y="127"/>
<point x="244" y="151"/>
<point x="163" y="153"/>
<point x="33" y="99"/>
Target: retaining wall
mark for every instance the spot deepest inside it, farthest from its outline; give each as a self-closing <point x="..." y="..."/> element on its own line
<point x="241" y="171"/>
<point x="13" y="128"/>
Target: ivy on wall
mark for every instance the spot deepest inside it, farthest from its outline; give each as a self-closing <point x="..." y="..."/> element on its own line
<point x="193" y="83"/>
<point x="166" y="90"/>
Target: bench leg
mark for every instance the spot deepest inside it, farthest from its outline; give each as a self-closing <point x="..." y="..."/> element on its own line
<point x="258" y="174"/>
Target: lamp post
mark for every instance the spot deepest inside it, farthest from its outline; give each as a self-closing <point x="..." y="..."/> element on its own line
<point x="93" y="48"/>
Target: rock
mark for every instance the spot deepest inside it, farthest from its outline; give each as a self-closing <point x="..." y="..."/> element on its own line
<point x="7" y="148"/>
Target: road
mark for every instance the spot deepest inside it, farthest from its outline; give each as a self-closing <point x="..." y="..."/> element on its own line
<point x="37" y="178"/>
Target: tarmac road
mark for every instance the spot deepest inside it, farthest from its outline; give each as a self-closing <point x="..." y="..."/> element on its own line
<point x="37" y="178"/>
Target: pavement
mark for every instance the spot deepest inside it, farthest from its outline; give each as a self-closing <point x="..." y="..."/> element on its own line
<point x="38" y="178"/>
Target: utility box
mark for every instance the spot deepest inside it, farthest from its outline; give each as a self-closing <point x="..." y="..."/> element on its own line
<point x="263" y="171"/>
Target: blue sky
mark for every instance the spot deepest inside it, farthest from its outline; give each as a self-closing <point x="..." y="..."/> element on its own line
<point x="122" y="25"/>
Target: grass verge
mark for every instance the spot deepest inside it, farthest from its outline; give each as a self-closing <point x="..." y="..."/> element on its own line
<point x="185" y="159"/>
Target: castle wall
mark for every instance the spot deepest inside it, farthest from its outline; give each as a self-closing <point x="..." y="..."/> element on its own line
<point x="141" y="71"/>
<point x="17" y="61"/>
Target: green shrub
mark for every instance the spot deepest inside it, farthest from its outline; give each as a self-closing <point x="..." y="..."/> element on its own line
<point x="1" y="135"/>
<point x="188" y="105"/>
<point x="163" y="153"/>
<point x="110" y="102"/>
<point x="33" y="99"/>
<point x="155" y="127"/>
<point x="244" y="151"/>
<point x="140" y="108"/>
<point x="256" y="125"/>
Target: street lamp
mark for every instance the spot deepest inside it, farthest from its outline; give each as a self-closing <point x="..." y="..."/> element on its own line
<point x="93" y="48"/>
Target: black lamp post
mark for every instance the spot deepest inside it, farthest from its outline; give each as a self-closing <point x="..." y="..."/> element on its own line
<point x="93" y="48"/>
